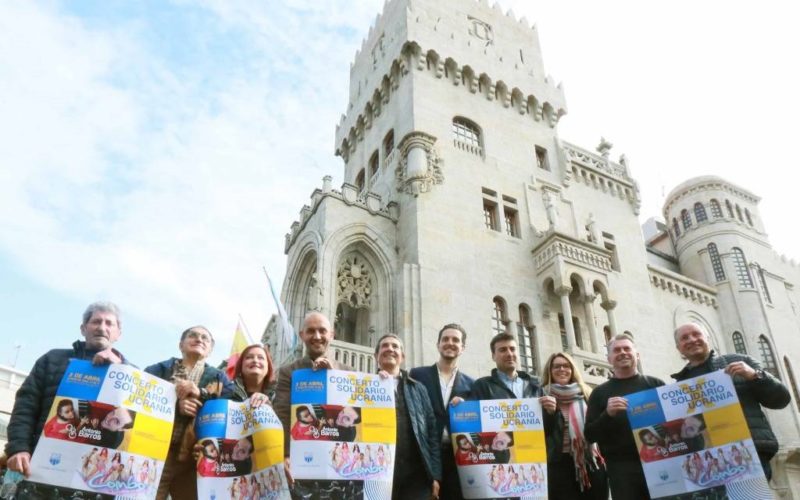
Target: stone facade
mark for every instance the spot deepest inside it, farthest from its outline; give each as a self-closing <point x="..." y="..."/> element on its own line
<point x="461" y="203"/>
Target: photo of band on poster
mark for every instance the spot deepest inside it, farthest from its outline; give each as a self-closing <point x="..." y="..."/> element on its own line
<point x="109" y="429"/>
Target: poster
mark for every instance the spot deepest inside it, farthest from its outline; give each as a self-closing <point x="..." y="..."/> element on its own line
<point x="241" y="452"/>
<point x="107" y="432"/>
<point x="343" y="428"/>
<point x="692" y="437"/>
<point x="499" y="448"/>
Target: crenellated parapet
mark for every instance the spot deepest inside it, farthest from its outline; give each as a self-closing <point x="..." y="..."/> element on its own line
<point x="599" y="172"/>
<point x="684" y="287"/>
<point x="348" y="195"/>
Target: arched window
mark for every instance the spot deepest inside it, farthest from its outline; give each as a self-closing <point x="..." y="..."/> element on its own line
<point x="675" y="227"/>
<point x="716" y="263"/>
<point x="748" y="217"/>
<point x="762" y="283"/>
<point x="738" y="343"/>
<point x="716" y="210"/>
<point x="499" y="316"/>
<point x="745" y="280"/>
<point x="767" y="357"/>
<point x="686" y="219"/>
<point x="729" y="207"/>
<point x="739" y="213"/>
<point x="467" y="136"/>
<point x="525" y="339"/>
<point x="792" y="380"/>
<point x="700" y="212"/>
<point x="388" y="143"/>
<point x="373" y="164"/>
<point x="360" y="182"/>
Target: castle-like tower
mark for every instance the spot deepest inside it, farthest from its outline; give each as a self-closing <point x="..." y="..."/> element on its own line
<point x="461" y="203"/>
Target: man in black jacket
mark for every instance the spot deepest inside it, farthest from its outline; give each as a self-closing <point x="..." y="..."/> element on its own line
<point x="417" y="461"/>
<point x="445" y="382"/>
<point x="101" y="327"/>
<point x="754" y="386"/>
<point x="607" y="420"/>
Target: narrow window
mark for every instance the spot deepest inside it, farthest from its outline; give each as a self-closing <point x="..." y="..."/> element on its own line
<point x="610" y="244"/>
<point x="686" y="219"/>
<point x="762" y="283"/>
<point x="716" y="263"/>
<point x="748" y="217"/>
<point x="373" y="164"/>
<point x="700" y="212"/>
<point x="675" y="227"/>
<point x="360" y="182"/>
<point x="499" y="316"/>
<point x="541" y="158"/>
<point x="739" y="213"/>
<point x="792" y="381"/>
<point x="525" y="339"/>
<point x="767" y="357"/>
<point x="716" y="210"/>
<point x="730" y="208"/>
<point x="490" y="214"/>
<point x="738" y="343"/>
<point x="388" y="143"/>
<point x="512" y="227"/>
<point x="742" y="273"/>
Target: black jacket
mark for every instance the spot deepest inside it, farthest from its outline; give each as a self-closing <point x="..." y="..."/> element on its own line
<point x="492" y="387"/>
<point x="429" y="377"/>
<point x="424" y="425"/>
<point x="36" y="394"/>
<point x="768" y="392"/>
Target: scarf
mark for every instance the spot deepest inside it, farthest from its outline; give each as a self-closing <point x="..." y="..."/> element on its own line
<point x="571" y="401"/>
<point x="181" y="372"/>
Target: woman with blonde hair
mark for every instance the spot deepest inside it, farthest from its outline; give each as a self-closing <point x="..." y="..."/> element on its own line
<point x="575" y="468"/>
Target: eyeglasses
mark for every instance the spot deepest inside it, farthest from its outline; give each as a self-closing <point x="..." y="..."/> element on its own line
<point x="562" y="367"/>
<point x="202" y="337"/>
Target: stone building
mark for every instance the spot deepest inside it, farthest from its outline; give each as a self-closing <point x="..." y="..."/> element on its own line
<point x="461" y="203"/>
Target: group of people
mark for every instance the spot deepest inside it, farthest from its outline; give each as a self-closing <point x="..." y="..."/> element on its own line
<point x="589" y="441"/>
<point x="708" y="468"/>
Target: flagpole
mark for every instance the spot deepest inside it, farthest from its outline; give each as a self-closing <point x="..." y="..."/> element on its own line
<point x="247" y="330"/>
<point x="288" y="338"/>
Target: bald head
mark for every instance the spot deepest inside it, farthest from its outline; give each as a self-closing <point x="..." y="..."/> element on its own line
<point x="316" y="334"/>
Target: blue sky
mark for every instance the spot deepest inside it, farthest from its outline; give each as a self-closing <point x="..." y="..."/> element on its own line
<point x="155" y="153"/>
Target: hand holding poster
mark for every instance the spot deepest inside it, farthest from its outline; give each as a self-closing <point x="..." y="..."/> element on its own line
<point x="343" y="428"/>
<point x="241" y="452"/>
<point x="693" y="437"/>
<point x="108" y="431"/>
<point x="499" y="448"/>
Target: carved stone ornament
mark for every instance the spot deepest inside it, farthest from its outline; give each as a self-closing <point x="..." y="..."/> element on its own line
<point x="481" y="30"/>
<point x="420" y="165"/>
<point x="354" y="282"/>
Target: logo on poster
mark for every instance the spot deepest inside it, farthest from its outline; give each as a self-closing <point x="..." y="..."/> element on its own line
<point x="308" y="457"/>
<point x="55" y="459"/>
<point x="664" y="475"/>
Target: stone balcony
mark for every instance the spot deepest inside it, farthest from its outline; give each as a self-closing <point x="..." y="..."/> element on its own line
<point x="572" y="250"/>
<point x="360" y="358"/>
<point x="596" y="368"/>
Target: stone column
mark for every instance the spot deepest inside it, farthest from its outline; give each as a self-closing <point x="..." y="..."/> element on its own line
<point x="588" y="300"/>
<point x="609" y="306"/>
<point x="566" y="310"/>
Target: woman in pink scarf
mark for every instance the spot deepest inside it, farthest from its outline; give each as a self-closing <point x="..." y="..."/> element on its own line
<point x="575" y="468"/>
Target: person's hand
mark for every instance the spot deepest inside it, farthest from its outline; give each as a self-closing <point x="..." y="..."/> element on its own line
<point x="383" y="374"/>
<point x="258" y="399"/>
<point x="615" y="405"/>
<point x="20" y="462"/>
<point x="322" y="363"/>
<point x="106" y="357"/>
<point x="288" y="472"/>
<point x="187" y="389"/>
<point x="548" y="404"/>
<point x="456" y="401"/>
<point x="189" y="407"/>
<point x="741" y="369"/>
<point x="435" y="490"/>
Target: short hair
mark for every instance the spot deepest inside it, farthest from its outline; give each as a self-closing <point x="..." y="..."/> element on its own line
<point x="302" y="408"/>
<point x="185" y="333"/>
<point x="101" y="306"/>
<point x="63" y="403"/>
<point x="393" y="336"/>
<point x="501" y="337"/>
<point x="698" y="325"/>
<point x="453" y="326"/>
<point x="617" y="338"/>
<point x="646" y="431"/>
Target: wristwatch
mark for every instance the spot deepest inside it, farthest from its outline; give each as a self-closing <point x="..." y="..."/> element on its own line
<point x="760" y="374"/>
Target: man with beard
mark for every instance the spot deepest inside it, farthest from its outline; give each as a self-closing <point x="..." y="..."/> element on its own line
<point x="63" y="423"/>
<point x="445" y="383"/>
<point x="754" y="386"/>
<point x="417" y="461"/>
<point x="607" y="420"/>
